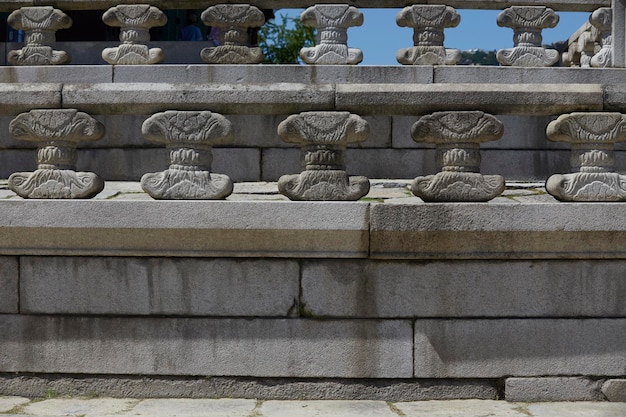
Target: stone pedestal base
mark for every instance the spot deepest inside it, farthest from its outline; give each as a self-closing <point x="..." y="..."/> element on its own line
<point x="458" y="186"/>
<point x="132" y="54"/>
<point x="55" y="183"/>
<point x="38" y="55"/>
<point x="527" y="56"/>
<point x="428" y="55"/>
<point x="178" y="184"/>
<point x="331" y="54"/>
<point x="232" y="54"/>
<point x="587" y="186"/>
<point x="332" y="185"/>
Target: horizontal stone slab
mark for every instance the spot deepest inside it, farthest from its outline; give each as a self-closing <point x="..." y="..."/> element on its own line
<point x="16" y="98"/>
<point x="485" y="74"/>
<point x="9" y="273"/>
<point x="57" y="73"/>
<point x="521" y="99"/>
<point x="221" y="347"/>
<point x="493" y="231"/>
<point x="541" y="389"/>
<point x="184" y="228"/>
<point x="519" y="347"/>
<point x="158" y="286"/>
<point x="565" y="5"/>
<point x="572" y="288"/>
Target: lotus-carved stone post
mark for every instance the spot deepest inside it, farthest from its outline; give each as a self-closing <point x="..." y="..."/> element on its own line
<point x="527" y="23"/>
<point x="57" y="132"/>
<point x="39" y="25"/>
<point x="189" y="135"/>
<point x="323" y="136"/>
<point x="602" y="19"/>
<point x="332" y="22"/>
<point x="592" y="137"/>
<point x="134" y="21"/>
<point x="457" y="135"/>
<point x="428" y="23"/>
<point x="233" y="20"/>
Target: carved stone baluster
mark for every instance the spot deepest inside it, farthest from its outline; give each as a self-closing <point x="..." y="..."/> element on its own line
<point x="332" y="22"/>
<point x="602" y="19"/>
<point x="527" y="22"/>
<point x="457" y="135"/>
<point x="57" y="133"/>
<point x="323" y="136"/>
<point x="592" y="137"/>
<point x="428" y="22"/>
<point x="39" y="25"/>
<point x="189" y="135"/>
<point x="233" y="20"/>
<point x="134" y="21"/>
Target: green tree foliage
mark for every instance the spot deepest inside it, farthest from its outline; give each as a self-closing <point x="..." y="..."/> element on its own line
<point x="478" y="57"/>
<point x="281" y="42"/>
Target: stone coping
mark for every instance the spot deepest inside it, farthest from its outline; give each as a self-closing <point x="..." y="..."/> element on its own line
<point x="564" y="5"/>
<point x="389" y="223"/>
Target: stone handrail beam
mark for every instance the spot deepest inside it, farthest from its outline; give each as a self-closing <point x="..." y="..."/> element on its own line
<point x="560" y="5"/>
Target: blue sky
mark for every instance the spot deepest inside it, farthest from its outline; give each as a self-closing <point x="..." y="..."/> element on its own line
<point x="379" y="37"/>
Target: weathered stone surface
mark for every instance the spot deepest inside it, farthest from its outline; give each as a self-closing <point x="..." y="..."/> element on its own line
<point x="189" y="136"/>
<point x="252" y="347"/>
<point x="602" y="19"/>
<point x="332" y="22"/>
<point x="428" y="23"/>
<point x="227" y="407"/>
<point x="72" y="406"/>
<point x="521" y="99"/>
<point x="233" y="20"/>
<point x="363" y="408"/>
<point x="461" y="408"/>
<point x="583" y="409"/>
<point x="56" y="74"/>
<point x="615" y="390"/>
<point x="592" y="137"/>
<point x="347" y="288"/>
<point x="20" y="97"/>
<point x="473" y="74"/>
<point x="9" y="403"/>
<point x="510" y="231"/>
<point x="134" y="21"/>
<point x="552" y="389"/>
<point x="163" y="286"/>
<point x="56" y="132"/>
<point x="39" y="24"/>
<point x="200" y="228"/>
<point x="457" y="136"/>
<point x="323" y="137"/>
<point x="148" y="98"/>
<point x="396" y="389"/>
<point x="9" y="277"/>
<point x="467" y="348"/>
<point x="527" y="23"/>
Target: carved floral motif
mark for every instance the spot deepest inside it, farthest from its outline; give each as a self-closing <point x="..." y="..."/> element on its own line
<point x="527" y="23"/>
<point x="134" y="21"/>
<point x="234" y="20"/>
<point x="428" y="23"/>
<point x="39" y="25"/>
<point x="332" y="22"/>
<point x="189" y="135"/>
<point x="592" y="137"/>
<point x="57" y="133"/>
<point x="324" y="137"/>
<point x="457" y="136"/>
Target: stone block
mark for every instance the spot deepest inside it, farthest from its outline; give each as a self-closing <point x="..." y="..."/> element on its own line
<point x="519" y="347"/>
<point x="158" y="286"/>
<point x="521" y="99"/>
<point x="16" y="98"/>
<point x="462" y="408"/>
<point x="57" y="74"/>
<point x="363" y="408"/>
<point x="520" y="75"/>
<point x="9" y="278"/>
<point x="230" y="407"/>
<point x="9" y="403"/>
<point x="258" y="74"/>
<point x="150" y="97"/>
<point x="583" y="409"/>
<point x="183" y="346"/>
<point x="615" y="390"/>
<point x="497" y="231"/>
<point x="528" y="133"/>
<point x="185" y="228"/>
<point x="552" y="389"/>
<point x="347" y="288"/>
<point x="76" y="406"/>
